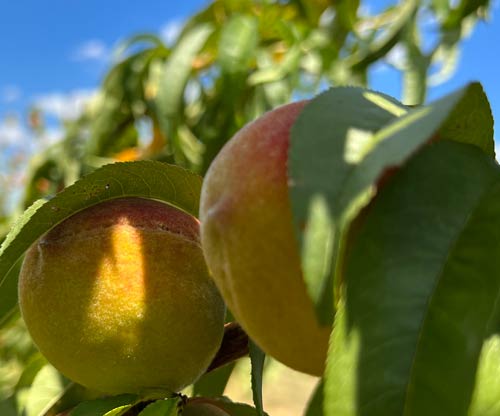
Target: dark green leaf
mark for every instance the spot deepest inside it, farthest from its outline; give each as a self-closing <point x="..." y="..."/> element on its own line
<point x="213" y="383"/>
<point x="101" y="407"/>
<point x="470" y="120"/>
<point x="422" y="289"/>
<point x="8" y="407"/>
<point x="315" y="405"/>
<point x="8" y="293"/>
<point x="257" y="358"/>
<point x="341" y="145"/>
<point x="329" y="141"/>
<point x="146" y="179"/>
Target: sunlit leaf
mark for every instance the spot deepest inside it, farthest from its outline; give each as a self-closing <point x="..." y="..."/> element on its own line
<point x="47" y="388"/>
<point x="146" y="179"/>
<point x="237" y="44"/>
<point x="166" y="407"/>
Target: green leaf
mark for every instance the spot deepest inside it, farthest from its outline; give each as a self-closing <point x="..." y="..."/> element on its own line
<point x="167" y="407"/>
<point x="8" y="293"/>
<point x="178" y="68"/>
<point x="421" y="289"/>
<point x="486" y="396"/>
<point x="315" y="405"/>
<point x="118" y="411"/>
<point x="108" y="406"/>
<point x="8" y="407"/>
<point x="47" y="388"/>
<point x="146" y="179"/>
<point x="341" y="145"/>
<point x="213" y="383"/>
<point x="328" y="141"/>
<point x="385" y="42"/>
<point x="470" y="120"/>
<point x="237" y="44"/>
<point x="34" y="365"/>
<point x="257" y="358"/>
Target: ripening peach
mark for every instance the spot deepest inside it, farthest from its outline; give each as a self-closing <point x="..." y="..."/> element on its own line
<point x="118" y="298"/>
<point x="250" y="246"/>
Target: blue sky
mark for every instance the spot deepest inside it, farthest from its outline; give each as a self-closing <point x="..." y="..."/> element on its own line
<point x="55" y="53"/>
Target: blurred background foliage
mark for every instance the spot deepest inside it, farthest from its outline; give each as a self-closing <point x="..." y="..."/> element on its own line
<point x="180" y="102"/>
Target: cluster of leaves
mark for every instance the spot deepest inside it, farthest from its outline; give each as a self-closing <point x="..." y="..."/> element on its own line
<point x="231" y="62"/>
<point x="416" y="292"/>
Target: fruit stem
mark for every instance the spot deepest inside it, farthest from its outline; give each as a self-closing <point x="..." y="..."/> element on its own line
<point x="234" y="346"/>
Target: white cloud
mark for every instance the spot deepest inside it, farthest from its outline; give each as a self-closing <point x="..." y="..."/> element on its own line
<point x="65" y="106"/>
<point x="12" y="133"/>
<point x="171" y="30"/>
<point x="10" y="94"/>
<point x="92" y="50"/>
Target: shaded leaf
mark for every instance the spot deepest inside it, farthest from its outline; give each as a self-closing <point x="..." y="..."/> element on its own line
<point x="213" y="383"/>
<point x="341" y="145"/>
<point x="422" y="289"/>
<point x="257" y="358"/>
<point x="315" y="405"/>
<point x="105" y="406"/>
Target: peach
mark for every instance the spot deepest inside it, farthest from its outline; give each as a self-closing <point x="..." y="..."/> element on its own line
<point x="250" y="247"/>
<point x="118" y="298"/>
<point x="203" y="407"/>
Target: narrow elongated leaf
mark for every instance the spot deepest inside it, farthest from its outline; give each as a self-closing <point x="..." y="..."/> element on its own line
<point x="146" y="179"/>
<point x="177" y="69"/>
<point x="315" y="405"/>
<point x="341" y="146"/>
<point x="257" y="359"/>
<point x="422" y="290"/>
<point x="8" y="293"/>
<point x="238" y="42"/>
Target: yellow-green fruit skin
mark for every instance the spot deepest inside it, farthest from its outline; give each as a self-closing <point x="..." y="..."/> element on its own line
<point x="118" y="298"/>
<point x="250" y="247"/>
